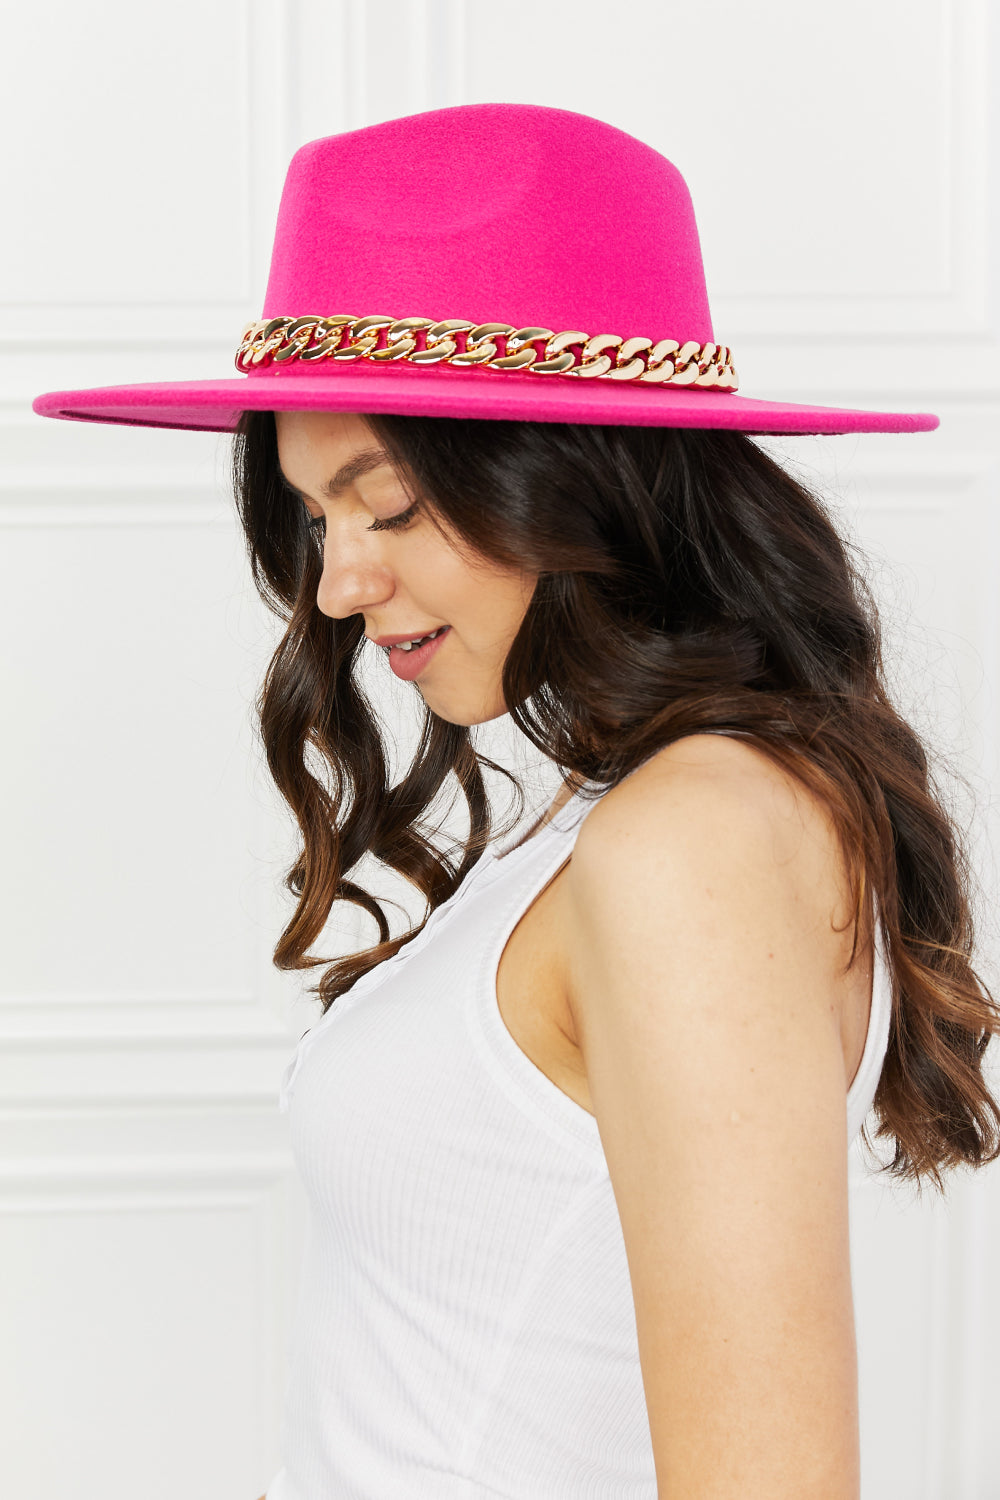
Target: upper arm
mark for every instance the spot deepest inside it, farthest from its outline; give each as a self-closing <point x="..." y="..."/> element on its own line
<point x="702" y="969"/>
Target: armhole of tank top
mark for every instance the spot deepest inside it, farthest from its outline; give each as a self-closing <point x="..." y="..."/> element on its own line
<point x="532" y="1092"/>
<point x="861" y="1094"/>
<point x="556" y="1104"/>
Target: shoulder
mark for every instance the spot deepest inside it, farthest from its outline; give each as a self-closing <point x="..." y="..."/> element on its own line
<point x="708" y="769"/>
<point x="712" y="837"/>
<point x="708" y="935"/>
<point x="723" y="804"/>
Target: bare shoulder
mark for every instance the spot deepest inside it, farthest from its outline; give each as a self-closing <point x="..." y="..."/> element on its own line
<point x="733" y="802"/>
<point x="703" y="766"/>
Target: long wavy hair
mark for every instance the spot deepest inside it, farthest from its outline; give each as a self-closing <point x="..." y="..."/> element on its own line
<point x="714" y="594"/>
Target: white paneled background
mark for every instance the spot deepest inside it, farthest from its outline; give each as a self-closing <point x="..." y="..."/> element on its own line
<point x="842" y="164"/>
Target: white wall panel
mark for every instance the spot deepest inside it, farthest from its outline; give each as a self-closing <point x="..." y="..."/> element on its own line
<point x="836" y="157"/>
<point x="141" y="1323"/>
<point x="902" y="1338"/>
<point x="157" y="150"/>
<point x="156" y="111"/>
<point x="130" y="691"/>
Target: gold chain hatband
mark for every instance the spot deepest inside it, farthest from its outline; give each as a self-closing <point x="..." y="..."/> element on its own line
<point x="494" y="346"/>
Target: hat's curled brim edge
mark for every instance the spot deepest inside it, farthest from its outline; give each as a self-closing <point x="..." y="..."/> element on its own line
<point x="446" y="391"/>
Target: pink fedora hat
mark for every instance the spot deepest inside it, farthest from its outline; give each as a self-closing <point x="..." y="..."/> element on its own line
<point x="487" y="260"/>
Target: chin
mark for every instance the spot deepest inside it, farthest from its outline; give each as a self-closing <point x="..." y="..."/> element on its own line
<point x="466" y="715"/>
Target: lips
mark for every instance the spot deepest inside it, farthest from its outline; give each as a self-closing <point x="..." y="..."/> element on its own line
<point x="415" y="642"/>
<point x="409" y="664"/>
<point x="397" y="640"/>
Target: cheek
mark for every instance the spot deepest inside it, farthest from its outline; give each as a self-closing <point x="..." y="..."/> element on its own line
<point x="435" y="574"/>
<point x="478" y="599"/>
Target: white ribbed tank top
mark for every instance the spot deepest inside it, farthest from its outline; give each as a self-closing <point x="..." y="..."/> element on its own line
<point x="465" y="1326"/>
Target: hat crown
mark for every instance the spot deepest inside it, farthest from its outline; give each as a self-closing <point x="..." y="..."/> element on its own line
<point x="514" y="213"/>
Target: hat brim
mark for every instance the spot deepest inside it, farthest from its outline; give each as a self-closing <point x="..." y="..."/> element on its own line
<point x="446" y="391"/>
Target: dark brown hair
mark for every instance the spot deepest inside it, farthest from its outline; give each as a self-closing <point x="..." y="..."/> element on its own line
<point x="714" y="594"/>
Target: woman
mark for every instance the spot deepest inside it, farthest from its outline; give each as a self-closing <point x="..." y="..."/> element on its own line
<point x="576" y="1148"/>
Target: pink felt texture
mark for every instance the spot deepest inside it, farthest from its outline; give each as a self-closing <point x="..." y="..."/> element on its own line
<point x="513" y="213"/>
<point x="495" y="213"/>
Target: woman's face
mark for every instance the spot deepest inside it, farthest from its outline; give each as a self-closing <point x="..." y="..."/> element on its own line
<point x="405" y="581"/>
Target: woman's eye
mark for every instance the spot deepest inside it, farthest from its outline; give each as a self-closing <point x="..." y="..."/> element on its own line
<point x="391" y="523"/>
<point x="395" y="523"/>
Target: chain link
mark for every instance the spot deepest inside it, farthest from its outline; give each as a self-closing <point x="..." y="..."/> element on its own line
<point x="493" y="346"/>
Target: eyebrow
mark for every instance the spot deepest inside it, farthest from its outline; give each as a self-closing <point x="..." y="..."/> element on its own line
<point x="361" y="463"/>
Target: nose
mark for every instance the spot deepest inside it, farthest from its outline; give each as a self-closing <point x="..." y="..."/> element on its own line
<point x="355" y="577"/>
